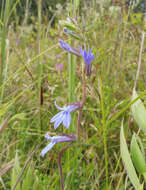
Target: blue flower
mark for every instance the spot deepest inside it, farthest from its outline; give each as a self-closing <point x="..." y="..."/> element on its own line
<point x="68" y="48"/>
<point x="88" y="58"/>
<point x="64" y="116"/>
<point x="56" y="139"/>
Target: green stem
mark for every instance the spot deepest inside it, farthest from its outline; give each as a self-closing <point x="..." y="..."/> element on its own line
<point x="144" y="175"/>
<point x="71" y="60"/>
<point x="5" y="15"/>
<point x="72" y="63"/>
<point x="40" y="67"/>
<point x="104" y="131"/>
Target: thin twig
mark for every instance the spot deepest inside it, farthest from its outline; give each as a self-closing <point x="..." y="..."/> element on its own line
<point x="81" y="106"/>
<point x="139" y="61"/>
<point x="60" y="165"/>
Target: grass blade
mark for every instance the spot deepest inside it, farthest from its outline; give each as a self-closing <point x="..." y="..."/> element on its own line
<point x="128" y="163"/>
<point x="139" y="112"/>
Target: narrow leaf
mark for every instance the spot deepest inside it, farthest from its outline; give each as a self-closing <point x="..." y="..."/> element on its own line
<point x="15" y="173"/>
<point x="137" y="156"/>
<point x="139" y="112"/>
<point x="128" y="163"/>
<point x="28" y="180"/>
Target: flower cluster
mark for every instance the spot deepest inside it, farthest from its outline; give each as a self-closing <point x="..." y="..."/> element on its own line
<point x="64" y="116"/>
<point x="88" y="56"/>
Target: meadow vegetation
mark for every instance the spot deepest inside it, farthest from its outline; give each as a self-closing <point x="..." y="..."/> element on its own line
<point x="35" y="72"/>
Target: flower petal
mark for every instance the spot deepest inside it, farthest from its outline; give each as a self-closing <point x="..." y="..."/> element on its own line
<point x="59" y="108"/>
<point x="68" y="48"/>
<point x="59" y="121"/>
<point x="57" y="116"/>
<point x="58" y="139"/>
<point x="48" y="137"/>
<point x="67" y="120"/>
<point x="47" y="148"/>
<point x="72" y="107"/>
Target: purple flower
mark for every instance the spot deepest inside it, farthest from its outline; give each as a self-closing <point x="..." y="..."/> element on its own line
<point x="56" y="139"/>
<point x="64" y="116"/>
<point x="68" y="48"/>
<point x="59" y="67"/>
<point x="88" y="58"/>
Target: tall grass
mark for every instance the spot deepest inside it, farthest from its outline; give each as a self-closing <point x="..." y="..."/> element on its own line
<point x="39" y="68"/>
<point x="6" y="6"/>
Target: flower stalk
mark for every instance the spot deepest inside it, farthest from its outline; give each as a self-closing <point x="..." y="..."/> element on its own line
<point x="82" y="105"/>
<point x="60" y="165"/>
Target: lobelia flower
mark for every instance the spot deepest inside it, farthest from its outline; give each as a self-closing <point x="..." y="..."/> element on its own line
<point x="88" y="58"/>
<point x="64" y="116"/>
<point x="56" y="139"/>
<point x="68" y="48"/>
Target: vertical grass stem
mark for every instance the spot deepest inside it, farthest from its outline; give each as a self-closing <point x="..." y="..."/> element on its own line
<point x="104" y="130"/>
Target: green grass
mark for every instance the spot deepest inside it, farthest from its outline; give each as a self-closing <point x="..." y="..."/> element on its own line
<point x="30" y="61"/>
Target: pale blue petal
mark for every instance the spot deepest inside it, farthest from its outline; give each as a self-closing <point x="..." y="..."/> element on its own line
<point x="57" y="116"/>
<point x="72" y="107"/>
<point x="58" y="107"/>
<point x="58" y="139"/>
<point x="67" y="120"/>
<point x="47" y="148"/>
<point x="48" y="137"/>
<point x="58" y="121"/>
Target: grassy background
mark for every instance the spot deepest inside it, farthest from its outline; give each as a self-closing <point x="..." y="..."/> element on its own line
<point x="31" y="82"/>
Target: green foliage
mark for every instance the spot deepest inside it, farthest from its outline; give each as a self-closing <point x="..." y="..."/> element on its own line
<point x="28" y="181"/>
<point x="47" y="8"/>
<point x="15" y="173"/>
<point x="137" y="155"/>
<point x="139" y="112"/>
<point x="115" y="46"/>
<point x="128" y="162"/>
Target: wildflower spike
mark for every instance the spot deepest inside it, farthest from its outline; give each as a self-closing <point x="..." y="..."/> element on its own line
<point x="88" y="58"/>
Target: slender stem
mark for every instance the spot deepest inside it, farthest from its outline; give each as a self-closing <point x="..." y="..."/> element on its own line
<point x="71" y="59"/>
<point x="6" y="68"/>
<point x="82" y="104"/>
<point x="71" y="63"/>
<point x="60" y="165"/>
<point x="139" y="61"/>
<point x="39" y="67"/>
<point x="104" y="131"/>
<point x="4" y="32"/>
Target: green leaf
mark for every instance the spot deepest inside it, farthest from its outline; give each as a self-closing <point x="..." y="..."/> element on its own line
<point x="139" y="112"/>
<point x="137" y="156"/>
<point x="36" y="185"/>
<point x="28" y="180"/>
<point x="128" y="162"/>
<point x="15" y="173"/>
